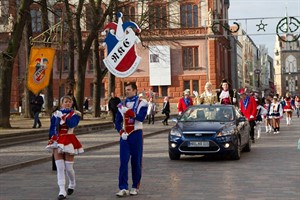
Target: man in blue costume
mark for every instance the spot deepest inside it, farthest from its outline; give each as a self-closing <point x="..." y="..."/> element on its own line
<point x="129" y="123"/>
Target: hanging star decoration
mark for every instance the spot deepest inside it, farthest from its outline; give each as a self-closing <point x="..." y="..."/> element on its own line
<point x="261" y="26"/>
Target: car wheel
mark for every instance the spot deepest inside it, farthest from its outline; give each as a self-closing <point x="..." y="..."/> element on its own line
<point x="247" y="147"/>
<point x="236" y="154"/>
<point x="174" y="156"/>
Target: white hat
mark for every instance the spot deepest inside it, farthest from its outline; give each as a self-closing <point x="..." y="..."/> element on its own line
<point x="186" y="92"/>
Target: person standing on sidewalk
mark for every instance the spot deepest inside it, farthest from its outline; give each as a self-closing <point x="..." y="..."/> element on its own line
<point x="129" y="124"/>
<point x="112" y="106"/>
<point x="248" y="109"/>
<point x="64" y="144"/>
<point x="297" y="105"/>
<point x="36" y="102"/>
<point x="151" y="110"/>
<point x="166" y="110"/>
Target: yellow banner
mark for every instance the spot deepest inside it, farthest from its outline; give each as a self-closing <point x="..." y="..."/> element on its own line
<point x="40" y="67"/>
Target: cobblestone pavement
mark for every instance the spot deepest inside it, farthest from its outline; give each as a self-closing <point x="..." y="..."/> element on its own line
<point x="271" y="171"/>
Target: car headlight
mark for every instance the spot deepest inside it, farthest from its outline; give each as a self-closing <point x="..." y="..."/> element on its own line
<point x="225" y="133"/>
<point x="175" y="132"/>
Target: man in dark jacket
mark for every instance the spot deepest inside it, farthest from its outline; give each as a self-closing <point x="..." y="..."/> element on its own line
<point x="112" y="106"/>
<point x="37" y="102"/>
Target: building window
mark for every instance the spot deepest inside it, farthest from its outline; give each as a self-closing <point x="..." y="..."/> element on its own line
<point x="128" y="11"/>
<point x="188" y="15"/>
<point x="90" y="17"/>
<point x="196" y="85"/>
<point x="62" y="64"/>
<point x="158" y="18"/>
<point x="190" y="58"/>
<point x="36" y="20"/>
<point x="164" y="90"/>
<point x="186" y="85"/>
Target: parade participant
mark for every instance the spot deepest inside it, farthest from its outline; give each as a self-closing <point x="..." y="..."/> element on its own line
<point x="151" y="110"/>
<point x="129" y="123"/>
<point x="248" y="109"/>
<point x="276" y="113"/>
<point x="64" y="144"/>
<point x="37" y="102"/>
<point x="261" y="111"/>
<point x="268" y="119"/>
<point x="207" y="97"/>
<point x="166" y="110"/>
<point x="226" y="95"/>
<point x="112" y="106"/>
<point x="288" y="108"/>
<point x="297" y="105"/>
<point x="184" y="102"/>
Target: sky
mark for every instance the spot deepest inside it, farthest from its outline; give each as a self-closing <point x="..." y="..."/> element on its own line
<point x="259" y="18"/>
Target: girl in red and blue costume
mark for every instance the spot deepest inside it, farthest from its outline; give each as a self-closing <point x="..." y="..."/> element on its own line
<point x="64" y="144"/>
<point x="129" y="123"/>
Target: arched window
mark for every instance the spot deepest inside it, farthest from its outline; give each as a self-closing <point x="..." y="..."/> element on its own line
<point x="290" y="64"/>
<point x="36" y="20"/>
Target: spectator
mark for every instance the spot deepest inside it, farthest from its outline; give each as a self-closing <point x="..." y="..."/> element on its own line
<point x="86" y="104"/>
<point x="166" y="110"/>
<point x="151" y="110"/>
<point x="36" y="102"/>
<point x="112" y="106"/>
<point x="184" y="102"/>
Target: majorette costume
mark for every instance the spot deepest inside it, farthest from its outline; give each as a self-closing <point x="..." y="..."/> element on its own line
<point x="288" y="104"/>
<point x="129" y="123"/>
<point x="226" y="96"/>
<point x="276" y="110"/>
<point x="61" y="132"/>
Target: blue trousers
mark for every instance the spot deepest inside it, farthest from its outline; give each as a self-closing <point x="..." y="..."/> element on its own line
<point x="131" y="148"/>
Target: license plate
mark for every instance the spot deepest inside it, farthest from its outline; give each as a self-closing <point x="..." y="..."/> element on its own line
<point x="199" y="144"/>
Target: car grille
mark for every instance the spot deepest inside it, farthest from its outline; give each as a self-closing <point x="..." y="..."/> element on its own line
<point x="198" y="134"/>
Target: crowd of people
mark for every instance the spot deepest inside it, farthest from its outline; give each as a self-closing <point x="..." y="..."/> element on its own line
<point x="128" y="117"/>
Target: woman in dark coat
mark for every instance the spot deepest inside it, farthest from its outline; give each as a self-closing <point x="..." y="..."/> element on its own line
<point x="166" y="110"/>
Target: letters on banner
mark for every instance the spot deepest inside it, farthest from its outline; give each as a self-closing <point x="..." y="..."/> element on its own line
<point x="121" y="60"/>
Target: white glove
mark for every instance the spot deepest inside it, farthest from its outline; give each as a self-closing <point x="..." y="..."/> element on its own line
<point x="58" y="114"/>
<point x="234" y="100"/>
<point x="122" y="109"/>
<point x="196" y="93"/>
<point x="251" y="117"/>
<point x="179" y="113"/>
<point x="124" y="136"/>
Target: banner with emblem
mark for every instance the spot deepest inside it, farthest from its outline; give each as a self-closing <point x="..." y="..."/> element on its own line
<point x="121" y="60"/>
<point x="40" y="68"/>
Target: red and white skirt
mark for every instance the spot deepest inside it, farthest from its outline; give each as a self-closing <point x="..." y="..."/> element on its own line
<point x="66" y="143"/>
<point x="288" y="108"/>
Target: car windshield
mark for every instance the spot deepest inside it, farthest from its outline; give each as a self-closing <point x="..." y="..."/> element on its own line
<point x="219" y="114"/>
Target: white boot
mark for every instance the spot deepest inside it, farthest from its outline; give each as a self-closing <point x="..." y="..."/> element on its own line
<point x="71" y="174"/>
<point x="61" y="180"/>
<point x="267" y="129"/>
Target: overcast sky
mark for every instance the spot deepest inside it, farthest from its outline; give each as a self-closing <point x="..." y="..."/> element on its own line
<point x="265" y="13"/>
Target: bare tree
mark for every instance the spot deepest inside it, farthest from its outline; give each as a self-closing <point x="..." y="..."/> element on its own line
<point x="7" y="58"/>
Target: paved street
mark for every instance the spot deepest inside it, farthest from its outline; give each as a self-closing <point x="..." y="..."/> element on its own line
<point x="271" y="171"/>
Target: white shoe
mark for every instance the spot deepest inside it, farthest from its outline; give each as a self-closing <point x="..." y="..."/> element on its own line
<point x="123" y="193"/>
<point x="277" y="132"/>
<point x="133" y="191"/>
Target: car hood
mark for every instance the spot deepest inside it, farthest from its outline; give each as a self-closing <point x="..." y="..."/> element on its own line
<point x="203" y="126"/>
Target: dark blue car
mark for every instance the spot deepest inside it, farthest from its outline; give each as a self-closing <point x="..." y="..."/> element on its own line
<point x="210" y="129"/>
